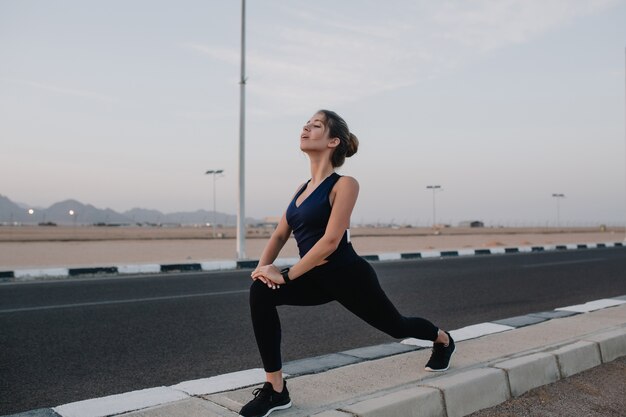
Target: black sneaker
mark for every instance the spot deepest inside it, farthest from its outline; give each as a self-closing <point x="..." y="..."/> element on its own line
<point x="265" y="401"/>
<point x="440" y="358"/>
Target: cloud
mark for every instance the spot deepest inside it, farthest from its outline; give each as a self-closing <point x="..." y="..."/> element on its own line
<point x="309" y="56"/>
<point x="62" y="90"/>
<point x="485" y="25"/>
<point x="227" y="55"/>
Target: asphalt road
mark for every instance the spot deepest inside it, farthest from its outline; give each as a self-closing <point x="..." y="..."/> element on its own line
<point x="76" y="339"/>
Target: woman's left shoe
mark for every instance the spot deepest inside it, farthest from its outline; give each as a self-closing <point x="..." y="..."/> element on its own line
<point x="440" y="357"/>
<point x="266" y="400"/>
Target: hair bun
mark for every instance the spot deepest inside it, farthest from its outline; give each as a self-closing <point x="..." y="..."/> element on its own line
<point x="352" y="145"/>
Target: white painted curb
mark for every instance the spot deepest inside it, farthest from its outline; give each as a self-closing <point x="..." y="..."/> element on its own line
<point x="592" y="305"/>
<point x="120" y="403"/>
<point x="36" y="273"/>
<point x="389" y="256"/>
<point x="139" y="269"/>
<point x="464" y="333"/>
<point x="218" y="265"/>
<point x="478" y="330"/>
<point x="285" y="262"/>
<point x="224" y="382"/>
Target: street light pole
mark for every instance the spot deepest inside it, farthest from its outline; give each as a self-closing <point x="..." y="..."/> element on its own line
<point x="558" y="211"/>
<point x="241" y="212"/>
<point x="434" y="188"/>
<point x="214" y="172"/>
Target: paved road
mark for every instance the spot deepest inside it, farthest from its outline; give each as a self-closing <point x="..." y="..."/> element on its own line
<point x="77" y="339"/>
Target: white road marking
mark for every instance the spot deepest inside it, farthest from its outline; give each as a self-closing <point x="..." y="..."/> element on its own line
<point x="132" y="300"/>
<point x="581" y="261"/>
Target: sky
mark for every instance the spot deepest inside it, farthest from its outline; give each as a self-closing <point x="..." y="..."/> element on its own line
<point x="125" y="104"/>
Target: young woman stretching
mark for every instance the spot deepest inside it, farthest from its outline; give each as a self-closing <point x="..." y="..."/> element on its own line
<point x="329" y="268"/>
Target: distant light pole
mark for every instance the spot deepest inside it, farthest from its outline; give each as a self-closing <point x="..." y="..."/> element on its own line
<point x="31" y="212"/>
<point x="558" y="210"/>
<point x="214" y="172"/>
<point x="73" y="214"/>
<point x="434" y="188"/>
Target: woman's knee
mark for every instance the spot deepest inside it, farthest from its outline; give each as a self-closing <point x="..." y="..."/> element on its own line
<point x="259" y="293"/>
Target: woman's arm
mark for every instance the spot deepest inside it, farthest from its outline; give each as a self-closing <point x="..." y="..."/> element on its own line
<point x="272" y="249"/>
<point x="346" y="192"/>
<point x="277" y="241"/>
<point x="274" y="245"/>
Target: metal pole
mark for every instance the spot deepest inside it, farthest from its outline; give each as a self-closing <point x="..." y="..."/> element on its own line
<point x="214" y="172"/>
<point x="241" y="216"/>
<point x="434" y="209"/>
<point x="558" y="209"/>
<point x="434" y="188"/>
<point x="214" y="205"/>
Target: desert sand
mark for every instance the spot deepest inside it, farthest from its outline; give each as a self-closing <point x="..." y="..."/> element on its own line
<point x="41" y="247"/>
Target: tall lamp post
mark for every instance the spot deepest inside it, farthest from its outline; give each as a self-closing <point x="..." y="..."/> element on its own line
<point x="558" y="209"/>
<point x="214" y="172"/>
<point x="241" y="206"/>
<point x="434" y="188"/>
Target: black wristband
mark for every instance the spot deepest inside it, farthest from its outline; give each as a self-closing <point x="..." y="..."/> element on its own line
<point x="285" y="273"/>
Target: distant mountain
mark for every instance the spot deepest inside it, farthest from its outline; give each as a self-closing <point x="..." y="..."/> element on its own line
<point x="11" y="212"/>
<point x="138" y="215"/>
<point x="82" y="213"/>
<point x="59" y="213"/>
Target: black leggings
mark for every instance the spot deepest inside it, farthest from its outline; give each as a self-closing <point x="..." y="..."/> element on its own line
<point x="354" y="285"/>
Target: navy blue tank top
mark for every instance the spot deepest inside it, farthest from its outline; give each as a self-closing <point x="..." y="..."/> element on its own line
<point x="308" y="220"/>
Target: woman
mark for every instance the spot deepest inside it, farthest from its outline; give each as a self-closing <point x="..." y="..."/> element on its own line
<point x="329" y="268"/>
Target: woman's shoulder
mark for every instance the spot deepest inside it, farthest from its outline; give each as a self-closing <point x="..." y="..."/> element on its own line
<point x="346" y="181"/>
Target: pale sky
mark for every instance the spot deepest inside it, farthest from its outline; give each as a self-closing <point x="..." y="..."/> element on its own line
<point x="126" y="104"/>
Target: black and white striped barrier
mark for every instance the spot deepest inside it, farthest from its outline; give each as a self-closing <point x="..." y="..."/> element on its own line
<point x="52" y="273"/>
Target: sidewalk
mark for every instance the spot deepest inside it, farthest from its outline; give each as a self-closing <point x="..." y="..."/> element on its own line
<point x="494" y="362"/>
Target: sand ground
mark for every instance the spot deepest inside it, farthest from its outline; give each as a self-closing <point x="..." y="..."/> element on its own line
<point x="39" y="247"/>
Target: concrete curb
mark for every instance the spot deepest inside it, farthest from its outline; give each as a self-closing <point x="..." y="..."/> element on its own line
<point x="471" y="390"/>
<point x="414" y="401"/>
<point x="530" y="372"/>
<point x="222" y="265"/>
<point x="456" y="394"/>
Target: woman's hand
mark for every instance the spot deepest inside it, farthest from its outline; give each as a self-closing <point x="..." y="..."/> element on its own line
<point x="269" y="274"/>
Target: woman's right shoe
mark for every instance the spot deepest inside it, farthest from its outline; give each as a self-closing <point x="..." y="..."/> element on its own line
<point x="265" y="401"/>
<point x="440" y="357"/>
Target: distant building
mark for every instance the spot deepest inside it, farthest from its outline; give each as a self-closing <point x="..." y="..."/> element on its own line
<point x="472" y="223"/>
<point x="268" y="223"/>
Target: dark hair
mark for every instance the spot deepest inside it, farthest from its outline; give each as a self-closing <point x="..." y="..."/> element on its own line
<point x="348" y="142"/>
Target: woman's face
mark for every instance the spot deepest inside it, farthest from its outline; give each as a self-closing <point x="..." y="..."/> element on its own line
<point x="314" y="134"/>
